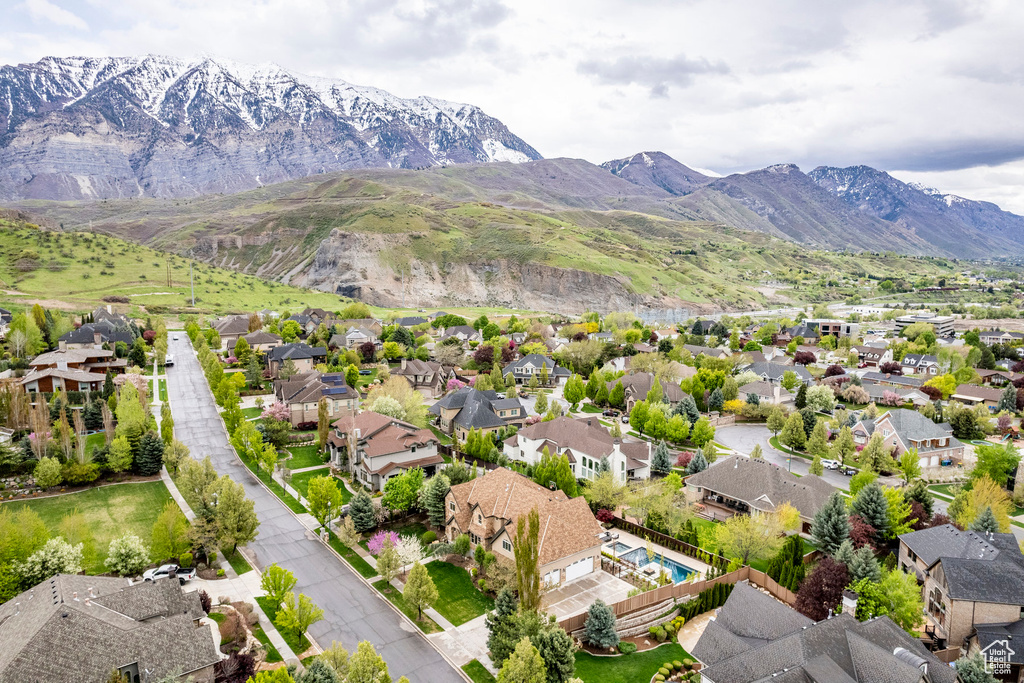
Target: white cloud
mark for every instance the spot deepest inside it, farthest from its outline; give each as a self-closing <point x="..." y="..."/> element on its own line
<point x="46" y="11"/>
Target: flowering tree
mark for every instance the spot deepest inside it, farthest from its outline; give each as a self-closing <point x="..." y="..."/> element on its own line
<point x="276" y="411"/>
<point x="891" y="398"/>
<point x="454" y="384"/>
<point x="376" y="542"/>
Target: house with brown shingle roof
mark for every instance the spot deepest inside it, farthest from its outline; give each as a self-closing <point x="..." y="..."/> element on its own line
<point x="638" y="384"/>
<point x="425" y="376"/>
<point x="972" y="395"/>
<point x="302" y="394"/>
<point x="488" y="509"/>
<point x="375" y="447"/>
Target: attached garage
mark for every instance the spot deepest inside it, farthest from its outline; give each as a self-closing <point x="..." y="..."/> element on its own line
<point x="553" y="578"/>
<point x="579" y="568"/>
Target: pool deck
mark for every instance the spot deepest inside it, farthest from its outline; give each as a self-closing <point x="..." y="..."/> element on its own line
<point x="635" y="542"/>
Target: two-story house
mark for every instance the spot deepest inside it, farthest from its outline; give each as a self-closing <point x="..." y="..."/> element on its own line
<point x="375" y="447"/>
<point x="469" y="408"/>
<point x="425" y="376"/>
<point x="353" y="338"/>
<point x="920" y="364"/>
<point x="969" y="578"/>
<point x="230" y="328"/>
<point x="72" y="370"/>
<point x="302" y="394"/>
<point x="586" y="443"/>
<point x="533" y="365"/>
<point x="638" y="385"/>
<point x="766" y="392"/>
<point x="303" y="356"/>
<point x="489" y="507"/>
<point x="873" y="356"/>
<point x="905" y="429"/>
<point x="262" y="341"/>
<point x="774" y="372"/>
<point x="95" y="335"/>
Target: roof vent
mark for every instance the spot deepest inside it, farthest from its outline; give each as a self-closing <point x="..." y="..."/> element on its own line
<point x="910" y="658"/>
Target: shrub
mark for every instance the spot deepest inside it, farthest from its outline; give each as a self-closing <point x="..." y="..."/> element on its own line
<point x="688" y="663"/>
<point x="627" y="648"/>
<point x="605" y="515"/>
<point x="664" y="671"/>
<point x="659" y="678"/>
<point x="220" y="572"/>
<point x="660" y="635"/>
<point x="128" y="555"/>
<point x="428" y="537"/>
<point x="185" y="560"/>
<point x="306" y="426"/>
<point x="677" y="665"/>
<point x="668" y="666"/>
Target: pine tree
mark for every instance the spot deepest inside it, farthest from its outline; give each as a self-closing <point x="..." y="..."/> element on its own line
<point x="1008" y="400"/>
<point x="716" y="400"/>
<point x="661" y="463"/>
<point x="698" y="463"/>
<point x="974" y="669"/>
<point x="688" y="407"/>
<point x="524" y="665"/>
<point x="434" y="493"/>
<point x="599" y="628"/>
<point x="831" y="526"/>
<point x="986" y="521"/>
<point x="558" y="651"/>
<point x="108" y="385"/>
<point x="502" y="627"/>
<point x="362" y="512"/>
<point x="864" y="566"/>
<point x="151" y="455"/>
<point x="801" y="397"/>
<point x="873" y="508"/>
<point x="845" y="552"/>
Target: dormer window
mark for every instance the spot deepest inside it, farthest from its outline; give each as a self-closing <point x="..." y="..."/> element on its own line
<point x="479" y="518"/>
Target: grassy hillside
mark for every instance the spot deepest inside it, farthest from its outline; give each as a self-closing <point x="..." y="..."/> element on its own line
<point x="458" y="216"/>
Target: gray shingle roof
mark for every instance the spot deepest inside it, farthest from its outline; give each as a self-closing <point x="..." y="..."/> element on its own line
<point x="476" y="408"/>
<point x="639" y="384"/>
<point x="910" y="424"/>
<point x="948" y="541"/>
<point x="296" y="351"/>
<point x="775" y="371"/>
<point x="900" y="380"/>
<point x="762" y="485"/>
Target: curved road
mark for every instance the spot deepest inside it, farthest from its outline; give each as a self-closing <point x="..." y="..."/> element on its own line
<point x="352" y="610"/>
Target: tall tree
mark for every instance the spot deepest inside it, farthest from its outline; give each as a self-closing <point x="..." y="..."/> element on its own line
<point x="236" y="515"/>
<point x="502" y="627"/>
<point x="526" y="546"/>
<point x="831" y="525"/>
<point x="661" y="463"/>
<point x="822" y="590"/>
<point x="793" y="434"/>
<point x="362" y="513"/>
<point x="420" y="589"/>
<point x="323" y="424"/>
<point x="434" y="492"/>
<point x="524" y="665"/>
<point x="817" y="445"/>
<point x="170" y="533"/>
<point x="871" y="505"/>
<point x="599" y="628"/>
<point x="324" y="498"/>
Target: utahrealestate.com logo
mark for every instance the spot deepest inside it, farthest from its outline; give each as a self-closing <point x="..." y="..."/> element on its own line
<point x="998" y="655"/>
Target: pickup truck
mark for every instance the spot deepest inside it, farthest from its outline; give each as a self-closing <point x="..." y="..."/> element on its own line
<point x="170" y="571"/>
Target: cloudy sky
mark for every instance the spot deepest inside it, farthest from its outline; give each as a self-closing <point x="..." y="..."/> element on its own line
<point x="931" y="91"/>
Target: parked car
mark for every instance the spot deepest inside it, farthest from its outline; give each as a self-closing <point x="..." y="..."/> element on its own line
<point x="625" y="419"/>
<point x="171" y="571"/>
<point x="848" y="471"/>
<point x="169" y="360"/>
<point x="610" y="413"/>
<point x="175" y="337"/>
<point x="830" y="464"/>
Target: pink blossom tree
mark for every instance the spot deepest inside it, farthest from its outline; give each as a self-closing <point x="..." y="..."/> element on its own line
<point x="891" y="398"/>
<point x="276" y="411"/>
<point x="376" y="542"/>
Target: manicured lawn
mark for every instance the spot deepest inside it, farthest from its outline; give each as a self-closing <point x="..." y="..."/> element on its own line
<point x="298" y="645"/>
<point x="426" y="624"/>
<point x="943" y="489"/>
<point x="634" y="668"/>
<point x="774" y="441"/>
<point x="589" y="408"/>
<point x="163" y="390"/>
<point x="458" y="600"/>
<point x="238" y="563"/>
<point x="353" y="558"/>
<point x="293" y="505"/>
<point x="477" y="672"/>
<point x="304" y="456"/>
<point x="110" y="512"/>
<point x="300" y="481"/>
<point x="252" y="412"/>
<point x="415" y="529"/>
<point x="272" y="654"/>
<point x="97" y="440"/>
<point x="364" y="380"/>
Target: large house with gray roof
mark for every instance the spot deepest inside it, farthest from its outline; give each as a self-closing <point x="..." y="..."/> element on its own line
<point x="754" y="637"/>
<point x="905" y="429"/>
<point x="486" y="411"/>
<point x="774" y="372"/>
<point x="638" y="384"/>
<point x="742" y="485"/>
<point x="969" y="578"/>
<point x="303" y="356"/>
<point x="78" y="629"/>
<point x="532" y="365"/>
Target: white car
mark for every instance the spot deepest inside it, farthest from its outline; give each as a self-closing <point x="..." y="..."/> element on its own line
<point x="175" y="337"/>
<point x="830" y="464"/>
<point x="169" y="360"/>
<point x="169" y="571"/>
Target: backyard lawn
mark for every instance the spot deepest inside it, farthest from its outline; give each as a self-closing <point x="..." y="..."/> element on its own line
<point x="110" y="511"/>
<point x="97" y="440"/>
<point x="304" y="456"/>
<point x="458" y="600"/>
<point x="640" y="666"/>
<point x="252" y="412"/>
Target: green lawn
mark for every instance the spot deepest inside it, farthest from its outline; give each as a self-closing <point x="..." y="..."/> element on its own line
<point x="943" y="490"/>
<point x="97" y="440"/>
<point x="458" y="601"/>
<point x="426" y="624"/>
<point x="163" y="390"/>
<point x="300" y="481"/>
<point x="353" y="558"/>
<point x="110" y="512"/>
<point x="477" y="672"/>
<point x="304" y="456"/>
<point x="589" y="408"/>
<point x="774" y="441"/>
<point x="238" y="563"/>
<point x="298" y="645"/>
<point x="416" y="529"/>
<point x="252" y="412"/>
<point x="634" y="668"/>
<point x="272" y="654"/>
<point x="293" y="505"/>
<point x="365" y="380"/>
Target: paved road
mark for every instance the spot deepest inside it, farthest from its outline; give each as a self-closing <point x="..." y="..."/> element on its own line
<point x="352" y="611"/>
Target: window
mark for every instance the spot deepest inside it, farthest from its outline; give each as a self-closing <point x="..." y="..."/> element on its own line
<point x="474" y="538"/>
<point x="451" y="505"/>
<point x="506" y="546"/>
<point x="413" y="449"/>
<point x="479" y="518"/>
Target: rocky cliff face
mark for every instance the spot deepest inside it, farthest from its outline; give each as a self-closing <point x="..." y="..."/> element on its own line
<point x="81" y="128"/>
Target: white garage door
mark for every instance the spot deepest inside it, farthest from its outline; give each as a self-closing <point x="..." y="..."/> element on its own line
<point x="579" y="568"/>
<point x="552" y="578"/>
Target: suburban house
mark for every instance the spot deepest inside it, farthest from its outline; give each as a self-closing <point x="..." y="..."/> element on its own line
<point x="532" y="365"/>
<point x="586" y="443"/>
<point x="991" y="337"/>
<point x="754" y="637"/>
<point x="739" y="484"/>
<point x="696" y="350"/>
<point x="805" y="332"/>
<point x="5" y="322"/>
<point x="369" y="324"/>
<point x="905" y="429"/>
<point x="836" y="328"/>
<point x="425" y="376"/>
<point x="920" y="364"/>
<point x="766" y="392"/>
<point x="109" y="314"/>
<point x="464" y="333"/>
<point x="319" y="315"/>
<point x="71" y="370"/>
<point x="375" y="447"/>
<point x="993" y="641"/>
<point x="998" y="378"/>
<point x="262" y="341"/>
<point x="95" y="335"/>
<point x="873" y="356"/>
<point x="942" y="324"/>
<point x="78" y="629"/>
<point x="489" y="507"/>
<point x="230" y="328"/>
<point x="486" y="411"/>
<point x="774" y="372"/>
<point x="892" y="380"/>
<point x="877" y="392"/>
<point x="639" y="384"/>
<point x="304" y="356"/>
<point x="972" y="395"/>
<point x="353" y="338"/>
<point x="702" y="327"/>
<point x="411" y="321"/>
<point x="302" y="394"/>
<point x="969" y="578"/>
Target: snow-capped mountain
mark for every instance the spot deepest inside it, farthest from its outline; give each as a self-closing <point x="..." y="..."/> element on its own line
<point x="657" y="169"/>
<point x="89" y="128"/>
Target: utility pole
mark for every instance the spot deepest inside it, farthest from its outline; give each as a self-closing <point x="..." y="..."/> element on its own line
<point x="192" y="279"/>
<point x="403" y="287"/>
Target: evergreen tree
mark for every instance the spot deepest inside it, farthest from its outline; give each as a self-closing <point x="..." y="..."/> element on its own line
<point x="661" y="463"/>
<point x="524" y="665"/>
<point x="864" y="566"/>
<point x="716" y="401"/>
<point x="594" y="384"/>
<point x="557" y="650"/>
<point x="362" y="512"/>
<point x="1008" y="400"/>
<point x="615" y="398"/>
<point x="986" y="522"/>
<point x="574" y="390"/>
<point x="831" y="526"/>
<point x="688" y="408"/>
<point x="541" y="405"/>
<point x="698" y="463"/>
<point x="801" y="397"/>
<point x="873" y="508"/>
<point x="564" y="477"/>
<point x="973" y="669"/>
<point x="845" y="553"/>
<point x="434" y="492"/>
<point x="108" y="385"/>
<point x="502" y="627"/>
<point x="599" y="628"/>
<point x="151" y="455"/>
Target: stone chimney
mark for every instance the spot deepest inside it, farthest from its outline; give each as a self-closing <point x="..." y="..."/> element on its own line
<point x="849" y="603"/>
<point x="62" y="345"/>
<point x="97" y="339"/>
<point x="404" y="361"/>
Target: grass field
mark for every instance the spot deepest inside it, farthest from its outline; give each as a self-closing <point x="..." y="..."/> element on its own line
<point x="238" y="563"/>
<point x="97" y="440"/>
<point x="251" y="412"/>
<point x="477" y="672"/>
<point x="297" y="644"/>
<point x="300" y="482"/>
<point x="458" y="600"/>
<point x="110" y="511"/>
<point x="640" y="666"/>
<point x="426" y="624"/>
<point x="304" y="456"/>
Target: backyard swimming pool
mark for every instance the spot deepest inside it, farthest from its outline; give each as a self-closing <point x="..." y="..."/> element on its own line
<point x="678" y="572"/>
<point x="621" y="548"/>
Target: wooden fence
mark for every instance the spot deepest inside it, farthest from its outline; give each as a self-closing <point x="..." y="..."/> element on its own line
<point x="685" y="590"/>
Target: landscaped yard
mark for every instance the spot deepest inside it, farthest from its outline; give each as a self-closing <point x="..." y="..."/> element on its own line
<point x="458" y="600"/>
<point x="238" y="563"/>
<point x="427" y="625"/>
<point x="252" y="412"/>
<point x="110" y="512"/>
<point x="97" y="440"/>
<point x="477" y="672"/>
<point x="272" y="654"/>
<point x="298" y="645"/>
<point x="415" y="529"/>
<point x="304" y="456"/>
<point x="163" y="390"/>
<point x="300" y="482"/>
<point x="639" y="666"/>
<point x="354" y="559"/>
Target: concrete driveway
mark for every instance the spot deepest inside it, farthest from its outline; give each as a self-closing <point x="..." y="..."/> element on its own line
<point x="577" y="596"/>
<point x="353" y="611"/>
